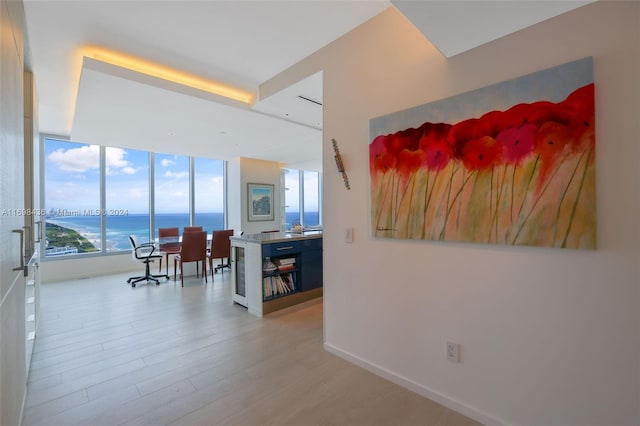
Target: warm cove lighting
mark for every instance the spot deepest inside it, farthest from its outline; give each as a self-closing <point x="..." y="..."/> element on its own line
<point x="169" y="74"/>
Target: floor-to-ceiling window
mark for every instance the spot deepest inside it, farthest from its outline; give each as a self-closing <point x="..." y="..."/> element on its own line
<point x="171" y="191"/>
<point x="126" y="197"/>
<point x="291" y="198"/>
<point x="72" y="198"/>
<point x="310" y="198"/>
<point x="302" y="198"/>
<point x="95" y="197"/>
<point x="208" y="188"/>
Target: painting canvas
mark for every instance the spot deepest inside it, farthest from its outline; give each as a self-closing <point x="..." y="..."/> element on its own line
<point x="512" y="163"/>
<point x="260" y="204"/>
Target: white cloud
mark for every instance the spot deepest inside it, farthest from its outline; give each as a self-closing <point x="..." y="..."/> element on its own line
<point x="139" y="193"/>
<point x="72" y="195"/>
<point x="166" y="162"/>
<point x="87" y="157"/>
<point x="130" y="194"/>
<point x="78" y="160"/>
<point x="116" y="162"/>
<point x="115" y="157"/>
<point x="176" y="175"/>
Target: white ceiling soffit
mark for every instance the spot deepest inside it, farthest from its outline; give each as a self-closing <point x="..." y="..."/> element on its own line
<point x="455" y="26"/>
<point x="301" y="102"/>
<point x="239" y="43"/>
<point x="115" y="109"/>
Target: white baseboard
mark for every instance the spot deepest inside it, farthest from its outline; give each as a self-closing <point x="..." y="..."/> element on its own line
<point x="405" y="382"/>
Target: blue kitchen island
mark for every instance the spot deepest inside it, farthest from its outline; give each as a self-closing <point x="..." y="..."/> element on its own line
<point x="276" y="270"/>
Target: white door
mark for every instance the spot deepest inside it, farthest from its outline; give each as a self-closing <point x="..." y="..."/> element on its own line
<point x="12" y="289"/>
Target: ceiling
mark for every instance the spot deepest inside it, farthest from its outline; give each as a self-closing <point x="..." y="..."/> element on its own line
<point x="237" y="43"/>
<point x="455" y="26"/>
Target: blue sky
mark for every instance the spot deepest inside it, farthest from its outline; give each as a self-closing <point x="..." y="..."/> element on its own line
<point x="292" y="183"/>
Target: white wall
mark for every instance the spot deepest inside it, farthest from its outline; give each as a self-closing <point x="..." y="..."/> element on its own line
<point x="86" y="267"/>
<point x="234" y="195"/>
<point x="549" y="336"/>
<point x="240" y="172"/>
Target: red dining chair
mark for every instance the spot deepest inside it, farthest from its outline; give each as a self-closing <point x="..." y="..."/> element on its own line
<point x="192" y="249"/>
<point x="168" y="248"/>
<point x="220" y="249"/>
<point x="192" y="228"/>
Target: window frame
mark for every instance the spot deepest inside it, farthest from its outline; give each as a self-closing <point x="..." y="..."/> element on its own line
<point x="102" y="196"/>
<point x="301" y="209"/>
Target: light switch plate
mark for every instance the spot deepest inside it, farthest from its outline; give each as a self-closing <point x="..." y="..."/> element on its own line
<point x="453" y="352"/>
<point x="348" y="235"/>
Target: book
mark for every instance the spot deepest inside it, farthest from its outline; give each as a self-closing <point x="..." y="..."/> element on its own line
<point x="266" y="286"/>
<point x="286" y="267"/>
<point x="278" y="284"/>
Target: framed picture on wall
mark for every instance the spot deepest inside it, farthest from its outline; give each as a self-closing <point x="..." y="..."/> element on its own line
<point x="260" y="205"/>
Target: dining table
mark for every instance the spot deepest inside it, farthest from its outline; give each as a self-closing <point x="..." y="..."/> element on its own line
<point x="171" y="245"/>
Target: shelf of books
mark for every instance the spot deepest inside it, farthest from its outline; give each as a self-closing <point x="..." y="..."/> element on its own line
<point x="275" y="275"/>
<point x="278" y="277"/>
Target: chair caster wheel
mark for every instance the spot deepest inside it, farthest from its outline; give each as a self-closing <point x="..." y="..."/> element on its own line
<point x="133" y="285"/>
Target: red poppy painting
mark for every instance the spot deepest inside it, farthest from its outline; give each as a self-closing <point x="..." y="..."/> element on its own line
<point x="512" y="163"/>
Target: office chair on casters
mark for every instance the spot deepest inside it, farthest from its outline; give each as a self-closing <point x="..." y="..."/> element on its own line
<point x="144" y="253"/>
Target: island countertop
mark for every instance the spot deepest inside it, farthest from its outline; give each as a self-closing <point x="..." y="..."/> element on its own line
<point x="274" y="237"/>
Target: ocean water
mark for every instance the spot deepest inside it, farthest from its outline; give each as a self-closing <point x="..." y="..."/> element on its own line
<point x="120" y="227"/>
<point x="293" y="218"/>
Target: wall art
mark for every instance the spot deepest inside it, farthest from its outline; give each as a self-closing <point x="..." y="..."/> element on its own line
<point x="260" y="203"/>
<point x="512" y="163"/>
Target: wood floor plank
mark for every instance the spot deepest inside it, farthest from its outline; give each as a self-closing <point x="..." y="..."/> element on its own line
<point x="108" y="354"/>
<point x="80" y="414"/>
<point x="112" y="412"/>
<point x="45" y="411"/>
<point x="40" y="396"/>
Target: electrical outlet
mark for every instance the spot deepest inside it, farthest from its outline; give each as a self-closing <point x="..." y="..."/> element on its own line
<point x="453" y="352"/>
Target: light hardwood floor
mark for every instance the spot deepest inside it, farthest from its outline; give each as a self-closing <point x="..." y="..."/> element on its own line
<point x="109" y="354"/>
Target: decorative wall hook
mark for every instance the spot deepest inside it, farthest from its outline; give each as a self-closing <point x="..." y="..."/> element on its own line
<point x="340" y="164"/>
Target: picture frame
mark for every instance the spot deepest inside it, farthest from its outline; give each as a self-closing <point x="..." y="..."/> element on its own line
<point x="512" y="163"/>
<point x="260" y="204"/>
